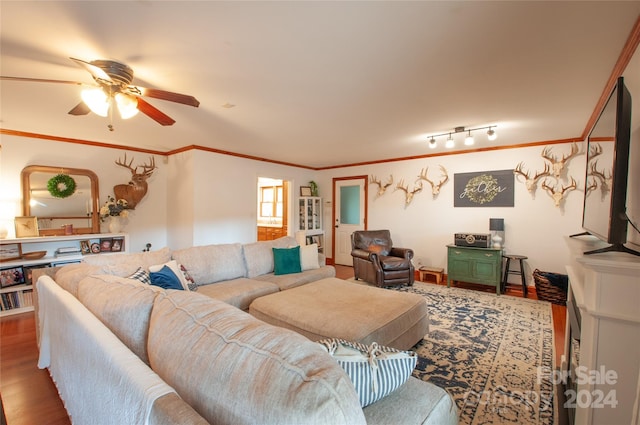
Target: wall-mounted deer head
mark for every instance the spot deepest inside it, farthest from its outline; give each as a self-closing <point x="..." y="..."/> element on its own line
<point x="558" y="195"/>
<point x="558" y="164"/>
<point x="408" y="196"/>
<point x="137" y="187"/>
<point x="381" y="187"/>
<point x="435" y="187"/>
<point x="531" y="182"/>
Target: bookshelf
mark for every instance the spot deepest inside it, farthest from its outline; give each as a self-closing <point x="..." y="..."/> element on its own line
<point x="310" y="220"/>
<point x="16" y="286"/>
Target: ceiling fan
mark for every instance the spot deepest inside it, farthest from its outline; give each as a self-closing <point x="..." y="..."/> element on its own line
<point x="114" y="88"/>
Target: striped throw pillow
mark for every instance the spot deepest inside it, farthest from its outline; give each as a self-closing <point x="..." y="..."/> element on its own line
<point x="376" y="371"/>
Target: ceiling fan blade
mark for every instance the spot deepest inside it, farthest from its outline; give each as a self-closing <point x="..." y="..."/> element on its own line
<point x="154" y="113"/>
<point x="95" y="71"/>
<point x="41" y="80"/>
<point x="80" y="109"/>
<point x="165" y="95"/>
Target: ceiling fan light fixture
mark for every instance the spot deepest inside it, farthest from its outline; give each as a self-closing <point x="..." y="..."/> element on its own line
<point x="97" y="100"/>
<point x="127" y="105"/>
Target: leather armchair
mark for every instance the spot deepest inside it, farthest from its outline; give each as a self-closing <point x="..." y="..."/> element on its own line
<point x="377" y="261"/>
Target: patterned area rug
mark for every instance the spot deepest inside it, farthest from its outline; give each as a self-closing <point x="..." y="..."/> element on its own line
<point x="493" y="354"/>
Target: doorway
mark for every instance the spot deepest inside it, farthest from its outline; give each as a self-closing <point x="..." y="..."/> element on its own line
<point x="272" y="209"/>
<point x="349" y="214"/>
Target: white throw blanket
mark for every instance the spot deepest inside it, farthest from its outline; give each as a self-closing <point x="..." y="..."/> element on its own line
<point x="99" y="379"/>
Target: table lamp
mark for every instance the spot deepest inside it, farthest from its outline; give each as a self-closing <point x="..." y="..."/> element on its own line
<point x="496" y="226"/>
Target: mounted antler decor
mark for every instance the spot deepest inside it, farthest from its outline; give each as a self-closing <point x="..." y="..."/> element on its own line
<point x="381" y="187"/>
<point x="605" y="182"/>
<point x="137" y="187"/>
<point x="553" y="169"/>
<point x="408" y="196"/>
<point x="559" y="164"/>
<point x="435" y="187"/>
<point x="531" y="182"/>
<point x="558" y="195"/>
<point x="600" y="178"/>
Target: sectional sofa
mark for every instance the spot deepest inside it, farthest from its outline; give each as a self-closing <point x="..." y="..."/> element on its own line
<point x="123" y="351"/>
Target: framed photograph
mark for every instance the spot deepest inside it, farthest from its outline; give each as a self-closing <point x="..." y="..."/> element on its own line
<point x="105" y="244"/>
<point x="12" y="276"/>
<point x="26" y="227"/>
<point x="95" y="248"/>
<point x="10" y="251"/>
<point x="28" y="272"/>
<point x="85" y="247"/>
<point x="117" y="244"/>
<point x="305" y="190"/>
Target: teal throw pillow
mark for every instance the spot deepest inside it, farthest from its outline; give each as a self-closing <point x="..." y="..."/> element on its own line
<point x="165" y="278"/>
<point x="286" y="260"/>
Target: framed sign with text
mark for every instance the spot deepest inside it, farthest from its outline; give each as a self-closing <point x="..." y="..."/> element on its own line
<point x="484" y="189"/>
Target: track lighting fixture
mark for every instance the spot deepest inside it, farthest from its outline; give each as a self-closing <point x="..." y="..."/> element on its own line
<point x="449" y="143"/>
<point x="468" y="141"/>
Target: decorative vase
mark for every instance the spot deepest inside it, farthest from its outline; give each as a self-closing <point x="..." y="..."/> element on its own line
<point x="115" y="225"/>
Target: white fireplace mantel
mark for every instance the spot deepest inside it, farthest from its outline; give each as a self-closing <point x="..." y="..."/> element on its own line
<point x="606" y="289"/>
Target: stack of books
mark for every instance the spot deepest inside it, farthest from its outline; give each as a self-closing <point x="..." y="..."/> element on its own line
<point x="67" y="251"/>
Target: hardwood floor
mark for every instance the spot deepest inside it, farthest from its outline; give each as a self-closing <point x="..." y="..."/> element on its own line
<point x="29" y="396"/>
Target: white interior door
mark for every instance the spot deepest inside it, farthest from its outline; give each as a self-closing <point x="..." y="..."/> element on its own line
<point x="350" y="215"/>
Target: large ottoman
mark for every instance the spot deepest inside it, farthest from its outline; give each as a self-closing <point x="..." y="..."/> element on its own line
<point x="334" y="308"/>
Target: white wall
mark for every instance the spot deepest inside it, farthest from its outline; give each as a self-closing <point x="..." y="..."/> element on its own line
<point x="200" y="197"/>
<point x="221" y="208"/>
<point x="146" y="224"/>
<point x="533" y="227"/>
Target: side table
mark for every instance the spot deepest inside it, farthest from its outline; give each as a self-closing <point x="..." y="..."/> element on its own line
<point x="437" y="272"/>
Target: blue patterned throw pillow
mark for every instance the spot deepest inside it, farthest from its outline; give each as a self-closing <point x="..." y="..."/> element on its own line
<point x="166" y="278"/>
<point x="376" y="371"/>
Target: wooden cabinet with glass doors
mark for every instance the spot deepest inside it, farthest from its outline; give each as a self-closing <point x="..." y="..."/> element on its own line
<point x="310" y="220"/>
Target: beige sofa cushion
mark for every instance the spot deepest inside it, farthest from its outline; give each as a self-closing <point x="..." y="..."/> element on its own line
<point x="238" y="292"/>
<point x="258" y="257"/>
<point x="234" y="369"/>
<point x="123" y="305"/>
<point x="69" y="276"/>
<point x="212" y="263"/>
<point x="292" y="280"/>
<point x="127" y="264"/>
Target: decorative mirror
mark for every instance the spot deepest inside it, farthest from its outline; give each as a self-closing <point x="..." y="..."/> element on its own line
<point x="80" y="209"/>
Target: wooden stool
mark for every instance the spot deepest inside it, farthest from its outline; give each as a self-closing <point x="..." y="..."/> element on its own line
<point x="433" y="271"/>
<point x="508" y="271"/>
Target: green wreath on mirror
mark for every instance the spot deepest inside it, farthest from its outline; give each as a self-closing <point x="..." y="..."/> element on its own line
<point x="61" y="186"/>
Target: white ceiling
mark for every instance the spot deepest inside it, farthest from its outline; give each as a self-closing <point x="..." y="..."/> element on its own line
<point x="319" y="84"/>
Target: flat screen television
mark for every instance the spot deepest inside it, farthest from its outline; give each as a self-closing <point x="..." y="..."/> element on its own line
<point x="605" y="193"/>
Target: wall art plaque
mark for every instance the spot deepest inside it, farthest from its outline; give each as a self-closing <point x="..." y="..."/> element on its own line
<point x="484" y="189"/>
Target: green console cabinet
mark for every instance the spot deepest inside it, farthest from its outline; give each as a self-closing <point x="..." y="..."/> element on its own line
<point x="474" y="265"/>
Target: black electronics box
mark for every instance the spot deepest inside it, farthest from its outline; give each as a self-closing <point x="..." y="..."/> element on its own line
<point x="478" y="240"/>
